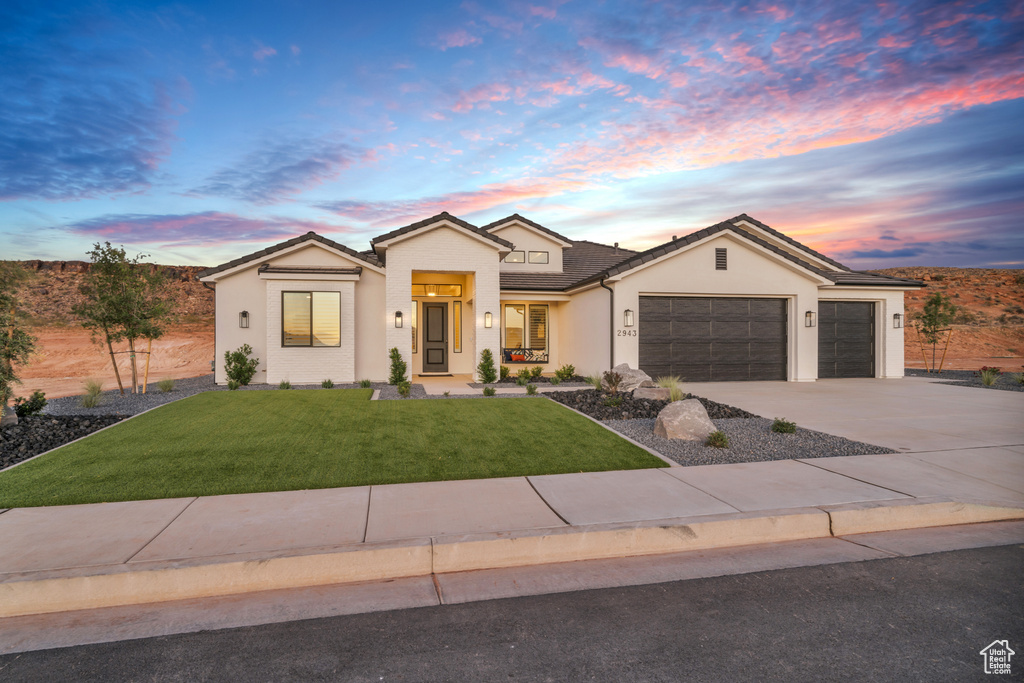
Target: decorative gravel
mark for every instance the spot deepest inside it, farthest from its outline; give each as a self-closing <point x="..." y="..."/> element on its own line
<point x="511" y="381"/>
<point x="970" y="378"/>
<point x="750" y="440"/>
<point x="39" y="433"/>
<point x="592" y="403"/>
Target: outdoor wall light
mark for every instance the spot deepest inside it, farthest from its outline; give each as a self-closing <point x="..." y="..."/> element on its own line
<point x="243" y="319"/>
<point x="488" y="319"/>
<point x="627" y="318"/>
<point x="897" y="320"/>
<point x="810" y="319"/>
<point x="398" y="318"/>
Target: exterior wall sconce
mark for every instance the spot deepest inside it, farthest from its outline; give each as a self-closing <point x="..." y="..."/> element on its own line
<point x="810" y="319"/>
<point x="627" y="318"/>
<point x="897" y="320"/>
<point x="243" y="319"/>
<point x="398" y="318"/>
<point x="488" y="319"/>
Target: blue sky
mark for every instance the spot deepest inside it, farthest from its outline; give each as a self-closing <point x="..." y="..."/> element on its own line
<point x="880" y="133"/>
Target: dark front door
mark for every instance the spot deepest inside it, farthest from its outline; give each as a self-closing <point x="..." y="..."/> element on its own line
<point x="708" y="339"/>
<point x="435" y="337"/>
<point x="846" y="339"/>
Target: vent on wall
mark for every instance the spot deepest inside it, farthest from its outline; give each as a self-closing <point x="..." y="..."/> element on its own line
<point x="720" y="259"/>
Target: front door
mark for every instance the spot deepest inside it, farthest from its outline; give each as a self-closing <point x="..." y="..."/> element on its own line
<point x="435" y="337"/>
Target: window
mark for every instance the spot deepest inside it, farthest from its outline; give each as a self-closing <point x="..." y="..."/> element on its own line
<point x="457" y="326"/>
<point x="538" y="257"/>
<point x="526" y="331"/>
<point x="515" y="319"/>
<point x="310" y="319"/>
<point x="720" y="259"/>
<point x="437" y="290"/>
<point x="538" y="331"/>
<point x="516" y="257"/>
<point x="414" y="308"/>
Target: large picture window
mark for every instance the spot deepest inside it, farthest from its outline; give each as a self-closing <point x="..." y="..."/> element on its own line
<point x="526" y="326"/>
<point x="310" y="319"/>
<point x="515" y="319"/>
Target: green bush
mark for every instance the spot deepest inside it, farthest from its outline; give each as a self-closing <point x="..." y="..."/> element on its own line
<point x="783" y="426"/>
<point x="488" y="391"/>
<point x="327" y="384"/>
<point x="523" y="374"/>
<point x="239" y="366"/>
<point x="505" y="371"/>
<point x="989" y="375"/>
<point x="611" y="380"/>
<point x="613" y="401"/>
<point x="485" y="370"/>
<point x="522" y="380"/>
<point x="398" y="367"/>
<point x="166" y="385"/>
<point x="30" y="406"/>
<point x="555" y="380"/>
<point x="233" y="385"/>
<point x="93" y="393"/>
<point x="675" y="394"/>
<point x="565" y="373"/>
<point x="1018" y="377"/>
<point x="531" y="389"/>
<point x="667" y="382"/>
<point x="404" y="388"/>
<point x="717" y="439"/>
<point x="365" y="384"/>
<point x="536" y="371"/>
<point x="447" y="394"/>
<point x="285" y="384"/>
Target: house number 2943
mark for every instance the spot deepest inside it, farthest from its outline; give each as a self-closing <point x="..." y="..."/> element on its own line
<point x="626" y="333"/>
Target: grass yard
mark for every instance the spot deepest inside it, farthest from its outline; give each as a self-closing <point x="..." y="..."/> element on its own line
<point x="245" y="442"/>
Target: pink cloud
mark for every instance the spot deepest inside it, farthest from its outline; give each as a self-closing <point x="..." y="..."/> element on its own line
<point x="458" y="38"/>
<point x="479" y="96"/>
<point x="263" y="52"/>
<point x="893" y="42"/>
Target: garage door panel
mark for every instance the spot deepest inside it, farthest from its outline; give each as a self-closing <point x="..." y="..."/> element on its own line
<point x="846" y="339"/>
<point x="655" y="308"/>
<point x="714" y="339"/>
<point x="855" y="311"/>
<point x="853" y="330"/>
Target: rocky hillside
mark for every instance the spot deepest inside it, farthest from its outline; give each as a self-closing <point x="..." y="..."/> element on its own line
<point x="53" y="293"/>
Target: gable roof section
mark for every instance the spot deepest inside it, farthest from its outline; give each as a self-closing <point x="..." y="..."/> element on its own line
<point x="579" y="262"/>
<point x="789" y="240"/>
<point x="516" y="218"/>
<point x="443" y="216"/>
<point x="281" y="246"/>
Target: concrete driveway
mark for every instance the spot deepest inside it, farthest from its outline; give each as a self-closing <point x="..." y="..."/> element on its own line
<point x="909" y="414"/>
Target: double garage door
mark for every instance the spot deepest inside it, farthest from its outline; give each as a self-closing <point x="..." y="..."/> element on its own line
<point x="718" y="339"/>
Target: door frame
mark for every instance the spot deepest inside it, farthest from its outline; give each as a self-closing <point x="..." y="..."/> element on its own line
<point x="428" y="346"/>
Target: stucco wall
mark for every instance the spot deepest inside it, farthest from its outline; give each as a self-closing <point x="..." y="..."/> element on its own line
<point x="528" y="239"/>
<point x="583" y="331"/>
<point x="244" y="291"/>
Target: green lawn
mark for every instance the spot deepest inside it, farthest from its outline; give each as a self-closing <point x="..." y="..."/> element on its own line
<point x="249" y="441"/>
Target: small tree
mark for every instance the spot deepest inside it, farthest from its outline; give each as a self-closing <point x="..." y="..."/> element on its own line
<point x="238" y="366"/>
<point x="937" y="316"/>
<point x="485" y="370"/>
<point x="397" y="367"/>
<point x="123" y="302"/>
<point x="16" y="345"/>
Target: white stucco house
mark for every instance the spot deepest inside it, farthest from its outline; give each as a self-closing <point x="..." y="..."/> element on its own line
<point x="734" y="301"/>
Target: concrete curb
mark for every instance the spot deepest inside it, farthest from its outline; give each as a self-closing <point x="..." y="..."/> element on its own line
<point x="147" y="582"/>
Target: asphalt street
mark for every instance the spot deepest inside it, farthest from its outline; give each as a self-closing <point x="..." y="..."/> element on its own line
<point x="921" y="618"/>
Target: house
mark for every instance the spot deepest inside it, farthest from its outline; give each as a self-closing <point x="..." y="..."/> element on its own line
<point x="734" y="301"/>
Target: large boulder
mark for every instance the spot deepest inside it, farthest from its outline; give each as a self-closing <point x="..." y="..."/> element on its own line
<point x="685" y="420"/>
<point x="652" y="393"/>
<point x="8" y="418"/>
<point x="631" y="377"/>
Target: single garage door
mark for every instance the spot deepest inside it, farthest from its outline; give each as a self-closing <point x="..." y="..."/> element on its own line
<point x="712" y="339"/>
<point x="846" y="339"/>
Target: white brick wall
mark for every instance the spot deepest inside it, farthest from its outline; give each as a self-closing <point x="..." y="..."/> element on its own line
<point x="310" y="365"/>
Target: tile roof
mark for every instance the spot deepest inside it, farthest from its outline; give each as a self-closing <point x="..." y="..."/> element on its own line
<point x="580" y="261"/>
<point x="788" y="239"/>
<point x="526" y="221"/>
<point x="311" y="270"/>
<point x="284" y="245"/>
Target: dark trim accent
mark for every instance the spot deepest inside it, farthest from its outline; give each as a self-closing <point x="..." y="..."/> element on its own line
<point x="310" y="270"/>
<point x="611" y="324"/>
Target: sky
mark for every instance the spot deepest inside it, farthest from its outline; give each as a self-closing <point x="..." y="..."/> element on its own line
<point x="882" y="134"/>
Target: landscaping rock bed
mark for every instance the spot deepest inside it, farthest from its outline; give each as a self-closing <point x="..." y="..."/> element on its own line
<point x="969" y="378"/>
<point x="592" y="402"/>
<point x="576" y="381"/>
<point x="750" y="440"/>
<point x="40" y="433"/>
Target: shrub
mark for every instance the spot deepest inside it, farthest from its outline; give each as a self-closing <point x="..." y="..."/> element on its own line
<point x="505" y="370"/>
<point x="488" y="391"/>
<point x="523" y="380"/>
<point x="30" y="406"/>
<point x="447" y="394"/>
<point x="988" y="375"/>
<point x="717" y="439"/>
<point x="233" y="385"/>
<point x="285" y="384"/>
<point x="166" y="385"/>
<point x="365" y="384"/>
<point x="612" y="380"/>
<point x="613" y="401"/>
<point x="486" y="371"/>
<point x="596" y="382"/>
<point x="1018" y="377"/>
<point x="675" y="394"/>
<point x="555" y="381"/>
<point x="565" y="373"/>
<point x="404" y="388"/>
<point x="667" y="382"/>
<point x="536" y="371"/>
<point x="327" y="384"/>
<point x="239" y="366"/>
<point x="783" y="426"/>
<point x="531" y="389"/>
<point x="93" y="393"/>
<point x="398" y="367"/>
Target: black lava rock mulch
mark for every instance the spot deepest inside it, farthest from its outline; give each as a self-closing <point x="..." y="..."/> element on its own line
<point x="969" y="378"/>
<point x="592" y="402"/>
<point x="37" y="434"/>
